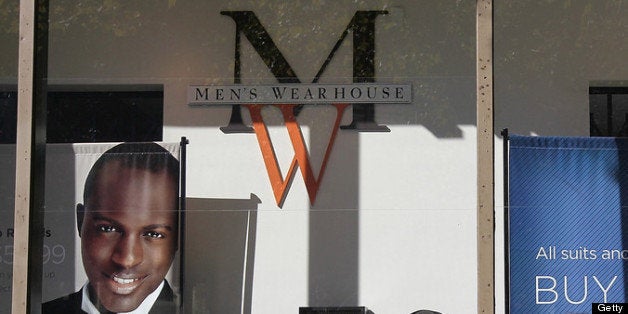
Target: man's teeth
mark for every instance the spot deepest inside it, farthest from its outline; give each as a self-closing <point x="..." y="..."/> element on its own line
<point x="124" y="281"/>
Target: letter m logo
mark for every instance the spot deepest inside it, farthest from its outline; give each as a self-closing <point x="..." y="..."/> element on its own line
<point x="362" y="26"/>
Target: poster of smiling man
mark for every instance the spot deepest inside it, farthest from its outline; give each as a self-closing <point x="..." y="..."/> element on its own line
<point x="128" y="228"/>
<point x="111" y="237"/>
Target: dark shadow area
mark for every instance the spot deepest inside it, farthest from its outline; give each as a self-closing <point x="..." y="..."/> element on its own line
<point x="59" y="267"/>
<point x="7" y="205"/>
<point x="608" y="113"/>
<point x="8" y="115"/>
<point x="59" y="234"/>
<point x="435" y="106"/>
<point x="59" y="224"/>
<point x="85" y="114"/>
<point x="105" y="116"/>
<point x="220" y="246"/>
<point x="334" y="258"/>
<point x="334" y="244"/>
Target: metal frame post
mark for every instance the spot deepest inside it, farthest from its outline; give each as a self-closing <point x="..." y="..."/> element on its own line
<point x="485" y="157"/>
<point x="30" y="157"/>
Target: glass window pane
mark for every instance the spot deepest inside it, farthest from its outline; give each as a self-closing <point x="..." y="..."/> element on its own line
<point x="371" y="102"/>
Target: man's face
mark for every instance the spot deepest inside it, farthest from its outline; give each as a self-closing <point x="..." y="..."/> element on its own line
<point x="128" y="235"/>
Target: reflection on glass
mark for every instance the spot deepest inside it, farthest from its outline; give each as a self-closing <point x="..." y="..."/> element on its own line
<point x="9" y="16"/>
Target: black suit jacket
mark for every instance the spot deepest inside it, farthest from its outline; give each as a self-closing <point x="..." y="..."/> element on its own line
<point x="71" y="304"/>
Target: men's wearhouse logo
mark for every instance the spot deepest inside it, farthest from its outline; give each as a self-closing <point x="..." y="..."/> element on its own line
<point x="290" y="94"/>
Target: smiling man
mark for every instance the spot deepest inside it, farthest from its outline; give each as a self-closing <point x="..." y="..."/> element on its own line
<point x="129" y="233"/>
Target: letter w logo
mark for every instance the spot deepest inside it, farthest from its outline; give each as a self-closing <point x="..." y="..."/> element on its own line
<point x="362" y="25"/>
<point x="301" y="158"/>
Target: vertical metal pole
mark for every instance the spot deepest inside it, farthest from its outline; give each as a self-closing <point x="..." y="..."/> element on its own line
<point x="485" y="157"/>
<point x="30" y="157"/>
<point x="506" y="169"/>
<point x="23" y="154"/>
<point x="182" y="208"/>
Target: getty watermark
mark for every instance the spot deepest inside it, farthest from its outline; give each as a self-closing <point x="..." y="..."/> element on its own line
<point x="597" y="308"/>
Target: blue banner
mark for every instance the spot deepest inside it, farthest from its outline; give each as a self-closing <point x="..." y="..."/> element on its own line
<point x="568" y="248"/>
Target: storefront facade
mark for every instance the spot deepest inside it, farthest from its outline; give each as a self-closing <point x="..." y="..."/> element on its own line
<point x="381" y="209"/>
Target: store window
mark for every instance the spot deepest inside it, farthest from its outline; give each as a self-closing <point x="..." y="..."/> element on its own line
<point x="608" y="111"/>
<point x="8" y="117"/>
<point x="92" y="116"/>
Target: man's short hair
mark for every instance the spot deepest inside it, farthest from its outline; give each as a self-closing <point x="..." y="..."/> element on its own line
<point x="142" y="156"/>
